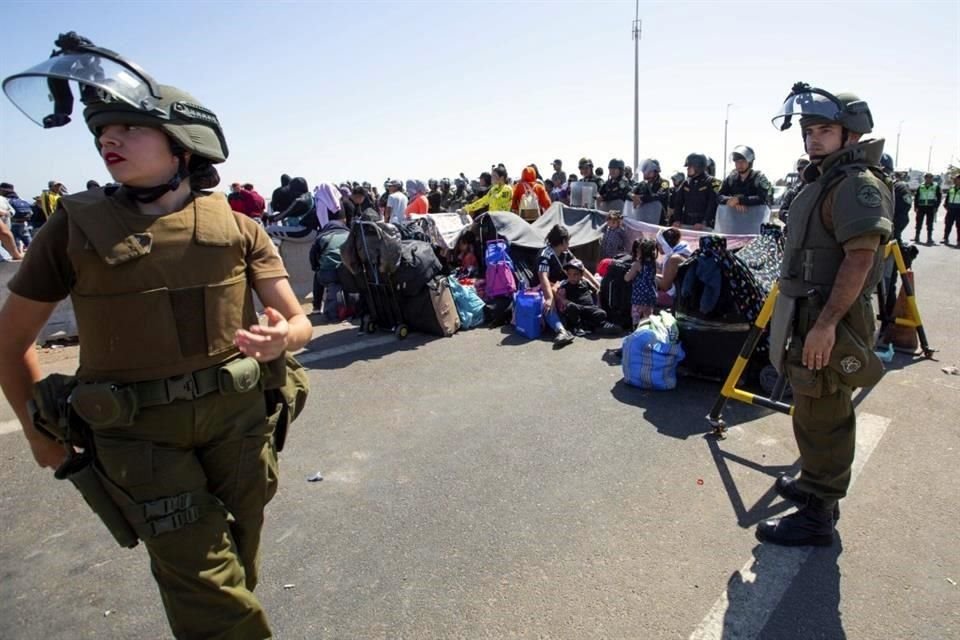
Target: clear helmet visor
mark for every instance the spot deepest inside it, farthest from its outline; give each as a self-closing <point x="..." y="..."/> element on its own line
<point x="46" y="93"/>
<point x="807" y="104"/>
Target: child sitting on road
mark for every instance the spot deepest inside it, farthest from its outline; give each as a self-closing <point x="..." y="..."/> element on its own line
<point x="643" y="275"/>
<point x="614" y="240"/>
<point x="581" y="314"/>
<point x="466" y="259"/>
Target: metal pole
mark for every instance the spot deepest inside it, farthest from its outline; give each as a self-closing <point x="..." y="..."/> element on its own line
<point x="896" y="155"/>
<point x="726" y="122"/>
<point x="930" y="154"/>
<point x="635" y="34"/>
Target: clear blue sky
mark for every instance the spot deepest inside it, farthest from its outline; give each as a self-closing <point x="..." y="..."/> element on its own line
<point x="366" y="90"/>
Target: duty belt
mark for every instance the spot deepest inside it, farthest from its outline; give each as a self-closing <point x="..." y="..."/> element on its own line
<point x="190" y="386"/>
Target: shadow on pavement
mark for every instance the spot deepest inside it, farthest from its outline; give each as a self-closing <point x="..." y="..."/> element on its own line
<point x="769" y="504"/>
<point x="810" y="607"/>
<point x="678" y="414"/>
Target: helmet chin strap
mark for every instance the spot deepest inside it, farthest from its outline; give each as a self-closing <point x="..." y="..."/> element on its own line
<point x="152" y="194"/>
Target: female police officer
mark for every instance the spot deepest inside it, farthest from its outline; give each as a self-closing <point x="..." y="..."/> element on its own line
<point x="170" y="387"/>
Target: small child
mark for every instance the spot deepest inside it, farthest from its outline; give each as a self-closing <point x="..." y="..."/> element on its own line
<point x="643" y="274"/>
<point x="614" y="240"/>
<point x="580" y="311"/>
<point x="466" y="259"/>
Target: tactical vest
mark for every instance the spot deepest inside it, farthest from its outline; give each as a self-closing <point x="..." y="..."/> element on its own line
<point x="812" y="255"/>
<point x="155" y="296"/>
<point x="953" y="195"/>
<point x="927" y="195"/>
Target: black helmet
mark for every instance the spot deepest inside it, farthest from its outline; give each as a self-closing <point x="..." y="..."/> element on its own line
<point x="816" y="106"/>
<point x="444" y="182"/>
<point x="696" y="160"/>
<point x="802" y="163"/>
<point x="886" y="162"/>
<point x="584" y="162"/>
<point x="432" y="183"/>
<point x="743" y="152"/>
<point x="616" y="163"/>
<point x="711" y="166"/>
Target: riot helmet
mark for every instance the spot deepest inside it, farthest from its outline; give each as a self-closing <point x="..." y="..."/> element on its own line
<point x="816" y="106"/>
<point x="886" y="163"/>
<point x="711" y="167"/>
<point x="697" y="161"/>
<point x="616" y="163"/>
<point x="649" y="165"/>
<point x="743" y="152"/>
<point x="113" y="91"/>
<point x="802" y="163"/>
<point x="432" y="183"/>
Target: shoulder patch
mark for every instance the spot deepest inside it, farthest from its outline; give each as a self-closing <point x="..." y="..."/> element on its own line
<point x="869" y="196"/>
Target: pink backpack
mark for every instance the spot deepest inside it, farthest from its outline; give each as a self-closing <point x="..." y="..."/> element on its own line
<point x="499" y="280"/>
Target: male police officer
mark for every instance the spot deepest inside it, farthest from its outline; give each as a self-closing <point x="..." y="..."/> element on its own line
<point x="822" y="330"/>
<point x="695" y="201"/>
<point x="652" y="188"/>
<point x="802" y="163"/>
<point x="744" y="187"/>
<point x="952" y="205"/>
<point x="616" y="189"/>
<point x="926" y="204"/>
<point x="902" y="197"/>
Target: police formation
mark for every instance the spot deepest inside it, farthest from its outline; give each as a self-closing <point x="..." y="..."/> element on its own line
<point x="170" y="427"/>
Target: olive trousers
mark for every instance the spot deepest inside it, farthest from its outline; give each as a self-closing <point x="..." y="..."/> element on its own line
<point x="218" y="449"/>
<point x="825" y="429"/>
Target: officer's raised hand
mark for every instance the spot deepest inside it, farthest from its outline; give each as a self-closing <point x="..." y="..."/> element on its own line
<point x="264" y="343"/>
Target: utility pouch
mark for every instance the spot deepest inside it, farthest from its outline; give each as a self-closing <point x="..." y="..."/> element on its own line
<point x="81" y="471"/>
<point x="853" y="361"/>
<point x="287" y="387"/>
<point x="48" y="406"/>
<point x="105" y="404"/>
<point x="813" y="383"/>
<point x="239" y="376"/>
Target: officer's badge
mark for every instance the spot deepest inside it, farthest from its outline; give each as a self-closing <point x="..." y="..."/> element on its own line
<point x="850" y="365"/>
<point x="869" y="196"/>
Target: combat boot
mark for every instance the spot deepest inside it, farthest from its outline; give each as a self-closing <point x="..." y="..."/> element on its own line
<point x="788" y="490"/>
<point x="812" y="525"/>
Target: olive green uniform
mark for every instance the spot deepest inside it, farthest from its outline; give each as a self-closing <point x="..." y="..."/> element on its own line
<point x="192" y="465"/>
<point x="845" y="206"/>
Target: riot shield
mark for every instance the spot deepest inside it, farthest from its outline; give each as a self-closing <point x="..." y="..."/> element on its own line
<point x="731" y="221"/>
<point x="649" y="212"/>
<point x="583" y="194"/>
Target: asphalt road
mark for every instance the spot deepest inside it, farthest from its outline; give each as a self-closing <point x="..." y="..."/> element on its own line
<point x="483" y="486"/>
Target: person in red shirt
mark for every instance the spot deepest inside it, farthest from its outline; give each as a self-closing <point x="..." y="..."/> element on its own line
<point x="530" y="198"/>
<point x="259" y="205"/>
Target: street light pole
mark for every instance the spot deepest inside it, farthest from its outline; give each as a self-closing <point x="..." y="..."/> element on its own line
<point x="635" y="34"/>
<point x="726" y="122"/>
<point x="930" y="154"/>
<point x="896" y="155"/>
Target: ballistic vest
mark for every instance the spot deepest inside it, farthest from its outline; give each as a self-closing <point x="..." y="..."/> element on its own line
<point x="155" y="296"/>
<point x="812" y="252"/>
<point x="927" y="195"/>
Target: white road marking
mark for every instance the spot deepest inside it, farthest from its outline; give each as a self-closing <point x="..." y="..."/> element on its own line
<point x="10" y="426"/>
<point x="780" y="564"/>
<point x="359" y="345"/>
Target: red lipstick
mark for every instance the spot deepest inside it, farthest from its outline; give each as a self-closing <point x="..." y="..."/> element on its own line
<point x="113" y="158"/>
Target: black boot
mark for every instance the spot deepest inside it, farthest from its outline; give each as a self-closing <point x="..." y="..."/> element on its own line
<point x="812" y="525"/>
<point x="788" y="490"/>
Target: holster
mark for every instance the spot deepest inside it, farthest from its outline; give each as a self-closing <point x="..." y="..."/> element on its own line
<point x="49" y="406"/>
<point x="81" y="470"/>
<point x="286" y="388"/>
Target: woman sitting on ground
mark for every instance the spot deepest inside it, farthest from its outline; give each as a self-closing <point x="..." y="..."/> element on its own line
<point x="550" y="270"/>
<point x="674" y="252"/>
